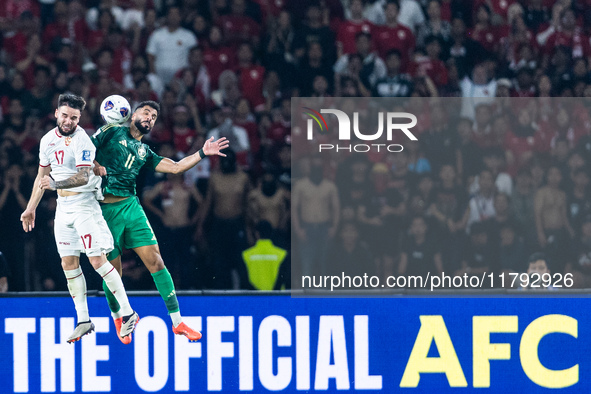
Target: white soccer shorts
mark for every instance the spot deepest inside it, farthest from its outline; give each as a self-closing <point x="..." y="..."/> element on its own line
<point x="80" y="227"/>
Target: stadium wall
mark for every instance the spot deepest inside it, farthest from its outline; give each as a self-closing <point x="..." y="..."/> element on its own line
<point x="276" y="343"/>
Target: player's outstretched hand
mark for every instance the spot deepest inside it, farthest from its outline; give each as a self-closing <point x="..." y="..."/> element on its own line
<point x="212" y="147"/>
<point x="28" y="219"/>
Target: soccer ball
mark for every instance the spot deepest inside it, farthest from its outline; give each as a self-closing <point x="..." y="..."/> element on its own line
<point x="115" y="109"/>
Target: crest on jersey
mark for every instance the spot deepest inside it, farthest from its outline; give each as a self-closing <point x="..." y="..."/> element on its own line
<point x="109" y="105"/>
<point x="123" y="142"/>
<point x="68" y="141"/>
<point x="142" y="152"/>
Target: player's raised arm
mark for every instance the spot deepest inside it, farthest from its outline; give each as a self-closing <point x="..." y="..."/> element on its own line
<point x="28" y="216"/>
<point x="210" y="148"/>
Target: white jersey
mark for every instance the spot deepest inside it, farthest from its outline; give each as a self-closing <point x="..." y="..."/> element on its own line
<point x="66" y="155"/>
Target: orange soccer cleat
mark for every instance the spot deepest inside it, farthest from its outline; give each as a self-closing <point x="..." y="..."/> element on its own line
<point x="126" y="340"/>
<point x="183" y="329"/>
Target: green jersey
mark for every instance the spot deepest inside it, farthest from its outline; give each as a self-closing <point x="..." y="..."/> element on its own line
<point x="123" y="156"/>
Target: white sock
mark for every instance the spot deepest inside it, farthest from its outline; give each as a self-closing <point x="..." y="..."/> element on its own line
<point x="115" y="284"/>
<point x="116" y="315"/>
<point x="77" y="288"/>
<point x="176" y="318"/>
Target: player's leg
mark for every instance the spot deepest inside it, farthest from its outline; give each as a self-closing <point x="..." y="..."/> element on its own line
<point x="97" y="240"/>
<point x="77" y="289"/>
<point x="111" y="299"/>
<point x="127" y="318"/>
<point x="140" y="237"/>
<point x="150" y="255"/>
<point x="69" y="246"/>
<point x="76" y="286"/>
<point x="113" y="215"/>
<point x="113" y="303"/>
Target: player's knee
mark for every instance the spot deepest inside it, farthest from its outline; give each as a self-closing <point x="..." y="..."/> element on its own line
<point x="96" y="261"/>
<point x="68" y="264"/>
<point x="155" y="264"/>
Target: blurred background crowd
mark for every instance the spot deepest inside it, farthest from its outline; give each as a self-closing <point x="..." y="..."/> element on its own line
<point x="492" y="193"/>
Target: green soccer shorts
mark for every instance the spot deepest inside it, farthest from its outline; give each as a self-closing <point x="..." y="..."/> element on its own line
<point x="128" y="224"/>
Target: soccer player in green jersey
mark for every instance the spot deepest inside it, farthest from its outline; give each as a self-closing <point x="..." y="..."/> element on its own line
<point x="120" y="156"/>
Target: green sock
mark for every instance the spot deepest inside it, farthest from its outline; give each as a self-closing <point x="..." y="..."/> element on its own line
<point x="165" y="287"/>
<point x="111" y="300"/>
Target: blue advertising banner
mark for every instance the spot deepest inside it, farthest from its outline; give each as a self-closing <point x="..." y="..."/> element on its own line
<point x="282" y="344"/>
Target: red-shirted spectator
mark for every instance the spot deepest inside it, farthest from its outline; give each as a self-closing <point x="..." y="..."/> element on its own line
<point x="520" y="141"/>
<point x="106" y="67"/>
<point x="238" y="27"/>
<point x="430" y="64"/>
<point x="183" y="136"/>
<point x="483" y="32"/>
<point x="217" y="57"/>
<point x="281" y="126"/>
<point x="349" y="29"/>
<point x="32" y="60"/>
<point x="251" y="76"/>
<point x="64" y="26"/>
<point x="15" y="45"/>
<point x="513" y="35"/>
<point x="98" y="38"/>
<point x="122" y="55"/>
<point x="394" y="36"/>
<point x="521" y="47"/>
<point x="570" y="36"/>
<point x="244" y="118"/>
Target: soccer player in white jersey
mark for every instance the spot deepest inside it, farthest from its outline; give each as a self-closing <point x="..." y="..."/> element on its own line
<point x="66" y="157"/>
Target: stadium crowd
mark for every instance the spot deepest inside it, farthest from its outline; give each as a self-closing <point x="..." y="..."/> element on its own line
<point x="494" y="184"/>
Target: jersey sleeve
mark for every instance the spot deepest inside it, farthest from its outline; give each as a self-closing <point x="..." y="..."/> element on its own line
<point x="152" y="159"/>
<point x="101" y="135"/>
<point x="84" y="152"/>
<point x="43" y="158"/>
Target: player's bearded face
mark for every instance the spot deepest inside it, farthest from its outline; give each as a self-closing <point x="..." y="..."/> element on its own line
<point x="67" y="120"/>
<point x="144" y="126"/>
<point x="144" y="120"/>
